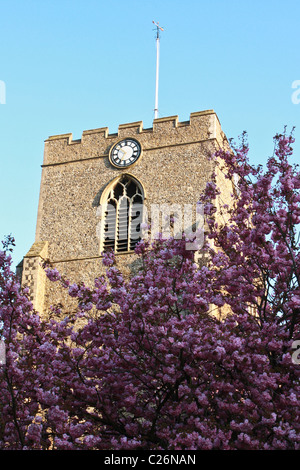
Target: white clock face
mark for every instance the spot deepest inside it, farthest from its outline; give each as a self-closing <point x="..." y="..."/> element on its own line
<point x="125" y="153"/>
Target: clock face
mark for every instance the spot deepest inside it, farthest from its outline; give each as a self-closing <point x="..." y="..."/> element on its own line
<point x="125" y="153"/>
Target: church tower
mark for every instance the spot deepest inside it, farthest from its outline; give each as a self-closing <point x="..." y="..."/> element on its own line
<point x="93" y="191"/>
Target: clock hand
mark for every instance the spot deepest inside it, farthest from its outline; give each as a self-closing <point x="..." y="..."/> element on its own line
<point x="124" y="154"/>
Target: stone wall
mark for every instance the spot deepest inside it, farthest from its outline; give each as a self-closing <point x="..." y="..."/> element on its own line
<point x="174" y="168"/>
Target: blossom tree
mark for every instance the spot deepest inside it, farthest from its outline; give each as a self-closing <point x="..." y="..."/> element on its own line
<point x="258" y="258"/>
<point x="144" y="363"/>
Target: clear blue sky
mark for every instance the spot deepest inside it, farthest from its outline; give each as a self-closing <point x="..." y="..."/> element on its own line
<point x="82" y="64"/>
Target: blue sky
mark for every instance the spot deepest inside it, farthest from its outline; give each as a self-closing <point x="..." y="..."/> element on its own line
<point x="68" y="66"/>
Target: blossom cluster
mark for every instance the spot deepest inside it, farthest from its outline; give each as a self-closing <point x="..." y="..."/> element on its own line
<point x="181" y="355"/>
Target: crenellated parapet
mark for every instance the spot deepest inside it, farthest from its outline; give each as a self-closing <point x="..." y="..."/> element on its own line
<point x="167" y="131"/>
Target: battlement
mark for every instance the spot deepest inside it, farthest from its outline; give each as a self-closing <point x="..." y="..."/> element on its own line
<point x="166" y="131"/>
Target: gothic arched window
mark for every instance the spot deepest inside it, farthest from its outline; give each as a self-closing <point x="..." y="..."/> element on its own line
<point x="123" y="212"/>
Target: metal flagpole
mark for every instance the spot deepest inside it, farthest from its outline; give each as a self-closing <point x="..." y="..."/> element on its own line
<point x="158" y="29"/>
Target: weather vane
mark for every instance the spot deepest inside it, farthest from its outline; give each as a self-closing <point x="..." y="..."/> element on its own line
<point x="158" y="29"/>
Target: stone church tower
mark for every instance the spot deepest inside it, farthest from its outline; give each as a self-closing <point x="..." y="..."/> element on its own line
<point x="90" y="187"/>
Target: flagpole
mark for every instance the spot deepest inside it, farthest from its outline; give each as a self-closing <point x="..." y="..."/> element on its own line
<point x="158" y="29"/>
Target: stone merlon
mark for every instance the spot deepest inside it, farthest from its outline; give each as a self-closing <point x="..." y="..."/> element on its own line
<point x="166" y="131"/>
